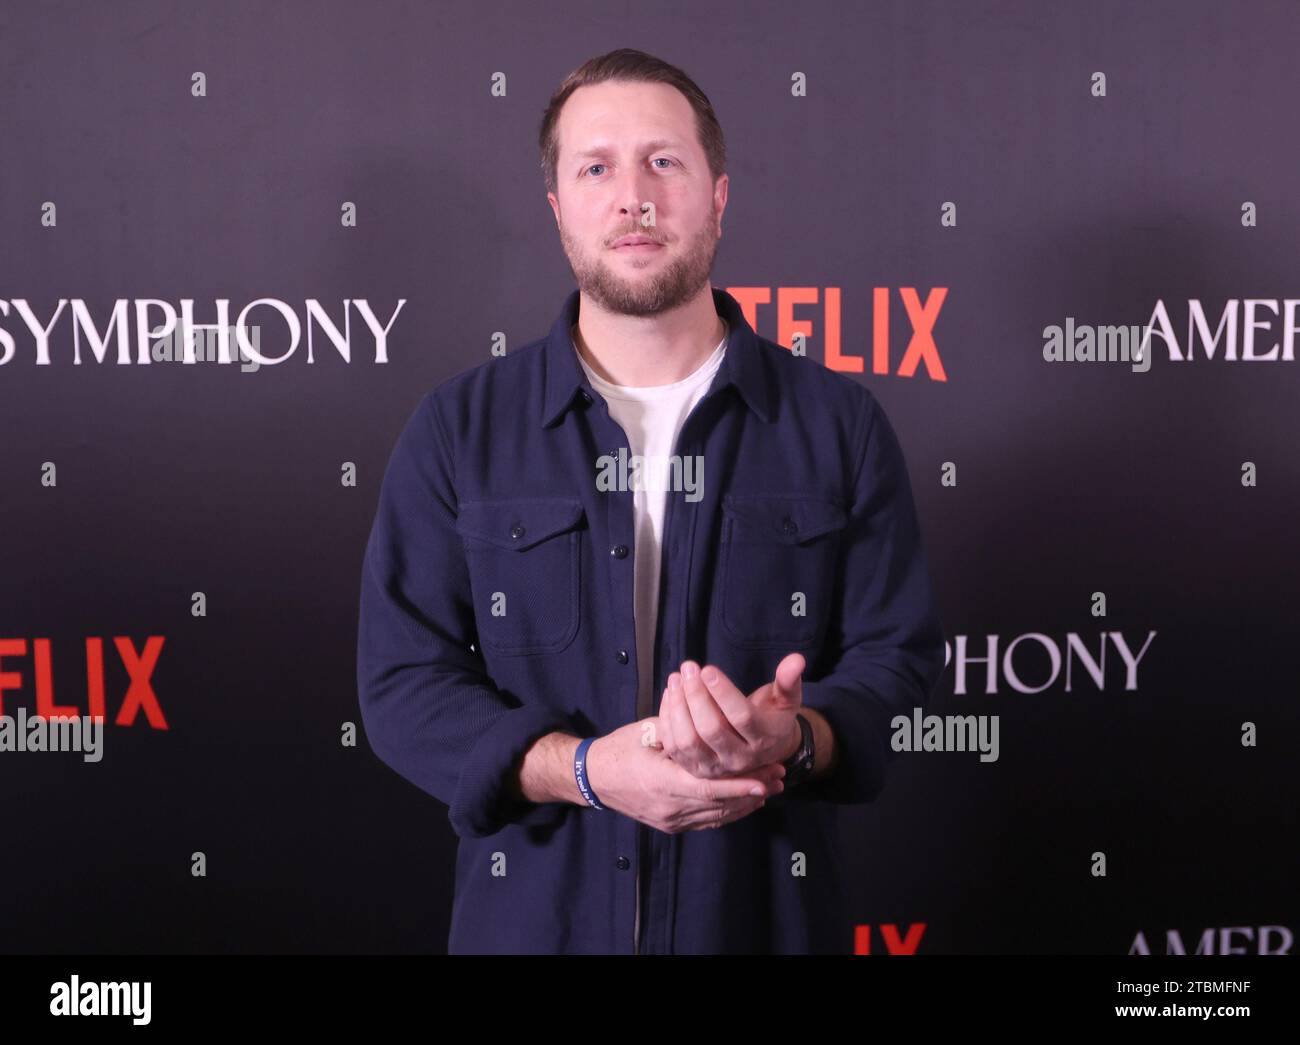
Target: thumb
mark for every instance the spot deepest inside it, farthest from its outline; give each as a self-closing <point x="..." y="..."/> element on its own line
<point x="787" y="686"/>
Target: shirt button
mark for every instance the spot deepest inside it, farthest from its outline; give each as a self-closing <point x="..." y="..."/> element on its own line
<point x="788" y="525"/>
<point x="516" y="531"/>
<point x="624" y="863"/>
<point x="585" y="398"/>
<point x="622" y="656"/>
<point x="619" y="551"/>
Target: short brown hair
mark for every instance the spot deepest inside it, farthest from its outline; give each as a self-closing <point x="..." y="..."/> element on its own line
<point x="631" y="66"/>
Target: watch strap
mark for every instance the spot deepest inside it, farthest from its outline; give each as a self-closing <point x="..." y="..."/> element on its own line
<point x="799" y="766"/>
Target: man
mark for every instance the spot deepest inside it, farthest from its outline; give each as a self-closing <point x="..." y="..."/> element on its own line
<point x="650" y="502"/>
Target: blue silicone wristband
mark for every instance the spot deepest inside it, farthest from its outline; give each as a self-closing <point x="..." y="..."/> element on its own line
<point x="580" y="773"/>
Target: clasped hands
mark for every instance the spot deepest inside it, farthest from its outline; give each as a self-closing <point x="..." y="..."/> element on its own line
<point x="711" y="755"/>
<point x="711" y="729"/>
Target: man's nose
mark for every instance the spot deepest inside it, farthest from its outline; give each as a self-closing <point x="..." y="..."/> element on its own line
<point x="635" y="189"/>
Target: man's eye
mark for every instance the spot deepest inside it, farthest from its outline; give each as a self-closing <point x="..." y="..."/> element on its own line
<point x="664" y="158"/>
<point x="594" y="166"/>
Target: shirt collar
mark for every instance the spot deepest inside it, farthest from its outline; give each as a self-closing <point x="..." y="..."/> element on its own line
<point x="742" y="364"/>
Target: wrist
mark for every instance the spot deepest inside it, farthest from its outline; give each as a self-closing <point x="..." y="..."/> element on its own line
<point x="567" y="783"/>
<point x="793" y="743"/>
<point x="545" y="773"/>
<point x="586" y="749"/>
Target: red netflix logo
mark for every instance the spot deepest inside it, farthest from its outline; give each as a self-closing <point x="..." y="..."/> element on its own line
<point x="921" y="315"/>
<point x="139" y="695"/>
<point x="889" y="934"/>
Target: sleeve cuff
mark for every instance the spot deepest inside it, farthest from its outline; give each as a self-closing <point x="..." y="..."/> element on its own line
<point x="860" y="723"/>
<point x="481" y="806"/>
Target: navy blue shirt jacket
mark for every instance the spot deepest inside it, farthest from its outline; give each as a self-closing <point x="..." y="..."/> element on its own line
<point x="491" y="488"/>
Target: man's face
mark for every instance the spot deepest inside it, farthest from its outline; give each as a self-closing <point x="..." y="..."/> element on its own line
<point x="622" y="145"/>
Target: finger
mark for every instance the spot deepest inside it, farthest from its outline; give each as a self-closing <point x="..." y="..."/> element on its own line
<point x="764" y="782"/>
<point x="787" y="686"/>
<point x="740" y="810"/>
<point x="773" y="777"/>
<point x="663" y="732"/>
<point x="732" y="703"/>
<point x="688" y="748"/>
<point x="728" y="814"/>
<point x="711" y="725"/>
<point x="712" y="790"/>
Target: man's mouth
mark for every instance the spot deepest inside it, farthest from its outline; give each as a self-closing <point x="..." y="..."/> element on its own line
<point x="636" y="243"/>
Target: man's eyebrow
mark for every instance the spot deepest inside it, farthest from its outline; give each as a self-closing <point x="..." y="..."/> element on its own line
<point x="650" y="146"/>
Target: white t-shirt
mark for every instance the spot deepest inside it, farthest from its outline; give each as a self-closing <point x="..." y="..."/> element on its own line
<point x="652" y="417"/>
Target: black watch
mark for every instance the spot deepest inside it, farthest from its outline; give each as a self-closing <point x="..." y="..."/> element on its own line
<point x="799" y="766"/>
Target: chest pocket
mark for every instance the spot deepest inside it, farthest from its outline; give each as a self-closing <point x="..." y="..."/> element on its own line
<point x="778" y="567"/>
<point x="524" y="557"/>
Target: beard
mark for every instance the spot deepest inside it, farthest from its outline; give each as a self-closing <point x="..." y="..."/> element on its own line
<point x="634" y="293"/>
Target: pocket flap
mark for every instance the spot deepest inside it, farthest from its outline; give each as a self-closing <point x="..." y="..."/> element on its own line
<point x="788" y="518"/>
<point x="518" y="522"/>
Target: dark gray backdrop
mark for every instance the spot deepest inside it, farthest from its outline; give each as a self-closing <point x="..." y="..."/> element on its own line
<point x="1072" y="478"/>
